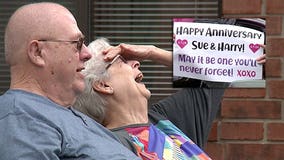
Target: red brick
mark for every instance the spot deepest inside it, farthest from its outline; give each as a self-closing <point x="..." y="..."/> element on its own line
<point x="215" y="150"/>
<point x="273" y="68"/>
<point x="275" y="47"/>
<point x="245" y="93"/>
<point x="273" y="25"/>
<point x="255" y="152"/>
<point x="241" y="131"/>
<point x="241" y="6"/>
<point x="275" y="131"/>
<point x="251" y="109"/>
<point x="274" y="6"/>
<point x="276" y="88"/>
<point x="213" y="132"/>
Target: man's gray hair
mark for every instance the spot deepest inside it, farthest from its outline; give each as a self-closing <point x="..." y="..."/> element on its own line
<point x="91" y="102"/>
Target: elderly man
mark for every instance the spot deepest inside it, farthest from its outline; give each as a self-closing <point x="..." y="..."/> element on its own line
<point x="46" y="53"/>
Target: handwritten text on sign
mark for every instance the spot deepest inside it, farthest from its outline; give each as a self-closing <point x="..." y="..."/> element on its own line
<point x="216" y="52"/>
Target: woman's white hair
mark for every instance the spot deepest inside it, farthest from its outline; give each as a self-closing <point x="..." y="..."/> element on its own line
<point x="91" y="102"/>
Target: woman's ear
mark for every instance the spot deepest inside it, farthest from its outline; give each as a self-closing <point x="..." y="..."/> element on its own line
<point x="103" y="87"/>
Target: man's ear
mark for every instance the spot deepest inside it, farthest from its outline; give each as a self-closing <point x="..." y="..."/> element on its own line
<point x="103" y="87"/>
<point x="35" y="53"/>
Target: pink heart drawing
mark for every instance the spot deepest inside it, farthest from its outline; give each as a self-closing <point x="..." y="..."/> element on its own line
<point x="254" y="47"/>
<point x="182" y="43"/>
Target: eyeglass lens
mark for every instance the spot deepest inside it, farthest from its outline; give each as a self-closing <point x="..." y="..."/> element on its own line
<point x="80" y="43"/>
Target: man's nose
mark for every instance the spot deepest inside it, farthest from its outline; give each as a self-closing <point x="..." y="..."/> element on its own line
<point x="85" y="53"/>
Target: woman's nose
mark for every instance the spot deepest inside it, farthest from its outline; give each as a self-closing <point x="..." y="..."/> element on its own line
<point x="134" y="64"/>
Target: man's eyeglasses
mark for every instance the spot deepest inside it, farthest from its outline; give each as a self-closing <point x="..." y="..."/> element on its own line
<point x="79" y="42"/>
<point x="115" y="59"/>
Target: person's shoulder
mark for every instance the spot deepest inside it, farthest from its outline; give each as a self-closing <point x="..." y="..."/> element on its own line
<point x="16" y="95"/>
<point x="19" y="102"/>
<point x="7" y="102"/>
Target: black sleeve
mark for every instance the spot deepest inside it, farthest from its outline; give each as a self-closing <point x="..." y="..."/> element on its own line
<point x="192" y="110"/>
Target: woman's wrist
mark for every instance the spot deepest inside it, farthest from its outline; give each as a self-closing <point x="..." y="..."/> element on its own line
<point x="160" y="56"/>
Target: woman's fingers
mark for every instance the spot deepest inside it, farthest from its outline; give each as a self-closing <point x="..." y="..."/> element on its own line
<point x="111" y="52"/>
<point x="261" y="59"/>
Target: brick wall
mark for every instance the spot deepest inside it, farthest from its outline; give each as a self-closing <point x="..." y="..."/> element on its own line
<point x="251" y="121"/>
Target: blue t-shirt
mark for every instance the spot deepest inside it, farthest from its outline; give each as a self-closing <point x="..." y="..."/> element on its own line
<point x="34" y="127"/>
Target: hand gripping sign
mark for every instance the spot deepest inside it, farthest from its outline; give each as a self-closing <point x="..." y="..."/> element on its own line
<point x="216" y="52"/>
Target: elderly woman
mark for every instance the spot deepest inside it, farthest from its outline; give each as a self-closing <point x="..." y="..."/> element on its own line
<point x="116" y="97"/>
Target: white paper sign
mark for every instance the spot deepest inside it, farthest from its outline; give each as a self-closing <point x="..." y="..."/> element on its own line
<point x="216" y="52"/>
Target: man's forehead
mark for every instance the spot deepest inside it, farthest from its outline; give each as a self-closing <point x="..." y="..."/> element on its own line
<point x="67" y="25"/>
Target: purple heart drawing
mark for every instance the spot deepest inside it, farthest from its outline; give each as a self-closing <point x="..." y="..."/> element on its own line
<point x="254" y="47"/>
<point x="182" y="43"/>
